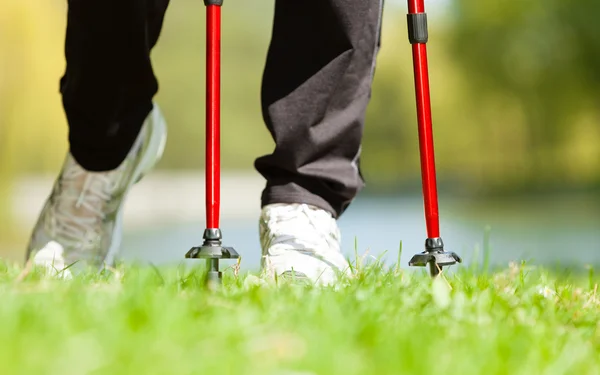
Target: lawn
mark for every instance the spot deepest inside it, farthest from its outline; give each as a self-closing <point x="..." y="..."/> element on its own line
<point x="145" y="320"/>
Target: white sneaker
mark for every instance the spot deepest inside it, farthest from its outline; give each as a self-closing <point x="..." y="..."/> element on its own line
<point x="301" y="241"/>
<point x="81" y="221"/>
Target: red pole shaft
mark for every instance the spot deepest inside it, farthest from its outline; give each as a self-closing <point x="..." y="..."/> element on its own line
<point x="428" y="173"/>
<point x="416" y="6"/>
<point x="213" y="104"/>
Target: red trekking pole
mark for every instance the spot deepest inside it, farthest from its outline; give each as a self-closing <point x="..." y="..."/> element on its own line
<point x="434" y="254"/>
<point x="211" y="249"/>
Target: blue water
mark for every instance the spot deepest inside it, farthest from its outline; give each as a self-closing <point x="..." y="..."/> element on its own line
<point x="540" y="234"/>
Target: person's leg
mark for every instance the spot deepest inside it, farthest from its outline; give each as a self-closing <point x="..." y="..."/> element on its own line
<point x="108" y="85"/>
<point x="316" y="87"/>
<point x="116" y="133"/>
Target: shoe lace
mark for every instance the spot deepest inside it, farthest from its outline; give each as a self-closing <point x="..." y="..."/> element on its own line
<point x="81" y="203"/>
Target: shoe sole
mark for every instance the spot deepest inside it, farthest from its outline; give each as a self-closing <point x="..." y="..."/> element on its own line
<point x="154" y="152"/>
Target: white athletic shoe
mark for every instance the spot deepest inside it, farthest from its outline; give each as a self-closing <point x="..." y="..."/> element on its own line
<point x="80" y="224"/>
<point x="301" y="241"/>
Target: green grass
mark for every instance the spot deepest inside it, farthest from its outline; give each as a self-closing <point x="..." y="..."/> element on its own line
<point x="137" y="320"/>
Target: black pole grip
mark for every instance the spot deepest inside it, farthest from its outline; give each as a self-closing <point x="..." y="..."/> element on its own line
<point x="213" y="2"/>
<point x="417" y="28"/>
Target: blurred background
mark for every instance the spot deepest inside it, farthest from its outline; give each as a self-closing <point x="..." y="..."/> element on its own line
<point x="516" y="113"/>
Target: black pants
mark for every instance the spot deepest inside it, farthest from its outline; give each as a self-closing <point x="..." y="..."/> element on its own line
<point x="315" y="90"/>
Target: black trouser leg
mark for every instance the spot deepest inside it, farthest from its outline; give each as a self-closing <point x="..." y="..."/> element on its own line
<point x="316" y="86"/>
<point x="109" y="83"/>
